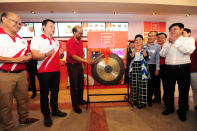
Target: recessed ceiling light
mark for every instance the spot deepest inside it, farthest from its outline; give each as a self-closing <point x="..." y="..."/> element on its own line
<point x="154" y="13"/>
<point x="187" y="15"/>
<point x="115" y="13"/>
<point x="74" y="12"/>
<point x="33" y="12"/>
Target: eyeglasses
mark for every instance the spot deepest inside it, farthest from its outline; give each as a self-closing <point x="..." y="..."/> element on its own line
<point x="151" y="35"/>
<point x="16" y="22"/>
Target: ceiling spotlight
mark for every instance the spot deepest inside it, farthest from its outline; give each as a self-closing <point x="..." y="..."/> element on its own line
<point x="154" y="13"/>
<point x="115" y="13"/>
<point x="32" y="12"/>
<point x="187" y="15"/>
<point x="74" y="12"/>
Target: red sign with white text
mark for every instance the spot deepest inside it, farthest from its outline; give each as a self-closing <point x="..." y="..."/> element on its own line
<point x="111" y="39"/>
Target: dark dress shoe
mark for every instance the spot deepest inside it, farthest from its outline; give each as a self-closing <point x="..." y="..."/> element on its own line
<point x="77" y="110"/>
<point x="140" y="106"/>
<point x="195" y="107"/>
<point x="150" y="104"/>
<point x="135" y="103"/>
<point x="59" y="113"/>
<point x="168" y="111"/>
<point x="182" y="115"/>
<point x="47" y="121"/>
<point x="33" y="95"/>
<point x="156" y="101"/>
<point x="30" y="121"/>
<point x="83" y="102"/>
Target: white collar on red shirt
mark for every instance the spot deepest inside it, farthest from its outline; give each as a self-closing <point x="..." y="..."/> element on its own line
<point x="13" y="38"/>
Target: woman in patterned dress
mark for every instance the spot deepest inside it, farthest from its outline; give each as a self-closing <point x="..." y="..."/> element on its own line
<point x="138" y="72"/>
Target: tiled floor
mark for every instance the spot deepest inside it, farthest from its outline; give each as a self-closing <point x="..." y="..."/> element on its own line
<point x="109" y="117"/>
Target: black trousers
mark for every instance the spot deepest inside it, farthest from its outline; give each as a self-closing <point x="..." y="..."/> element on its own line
<point x="32" y="71"/>
<point x="153" y="85"/>
<point x="76" y="77"/>
<point x="49" y="80"/>
<point x="163" y="73"/>
<point x="32" y="78"/>
<point x="181" y="75"/>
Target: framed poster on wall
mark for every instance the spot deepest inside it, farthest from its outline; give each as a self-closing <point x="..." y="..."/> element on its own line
<point x="153" y="26"/>
<point x="65" y="28"/>
<point x="27" y="30"/>
<point x="115" y="26"/>
<point x="92" y="26"/>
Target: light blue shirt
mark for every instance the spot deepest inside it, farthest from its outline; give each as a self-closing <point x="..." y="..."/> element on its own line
<point x="154" y="50"/>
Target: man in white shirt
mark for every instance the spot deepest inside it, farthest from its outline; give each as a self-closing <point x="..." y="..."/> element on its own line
<point x="14" y="53"/>
<point x="177" y="53"/>
<point x="48" y="52"/>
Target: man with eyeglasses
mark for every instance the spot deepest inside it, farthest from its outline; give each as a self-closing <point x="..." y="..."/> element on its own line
<point x="177" y="59"/>
<point x="161" y="40"/>
<point x="74" y="61"/>
<point x="13" y="80"/>
<point x="154" y="67"/>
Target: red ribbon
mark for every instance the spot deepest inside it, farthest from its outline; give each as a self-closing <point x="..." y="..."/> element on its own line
<point x="106" y="52"/>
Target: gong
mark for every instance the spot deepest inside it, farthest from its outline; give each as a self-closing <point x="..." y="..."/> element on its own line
<point x="108" y="71"/>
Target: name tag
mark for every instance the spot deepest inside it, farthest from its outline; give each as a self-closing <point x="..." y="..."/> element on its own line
<point x="152" y="51"/>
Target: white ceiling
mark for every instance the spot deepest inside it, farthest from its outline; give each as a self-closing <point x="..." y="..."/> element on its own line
<point x="97" y="11"/>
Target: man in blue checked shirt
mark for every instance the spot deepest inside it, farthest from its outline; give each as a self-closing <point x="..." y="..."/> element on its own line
<point x="154" y="64"/>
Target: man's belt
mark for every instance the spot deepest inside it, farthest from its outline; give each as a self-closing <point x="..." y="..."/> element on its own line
<point x="178" y="66"/>
<point x="4" y="71"/>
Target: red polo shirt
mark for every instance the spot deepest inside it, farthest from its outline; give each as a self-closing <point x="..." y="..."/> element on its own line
<point x="162" y="59"/>
<point x="74" y="48"/>
<point x="43" y="44"/>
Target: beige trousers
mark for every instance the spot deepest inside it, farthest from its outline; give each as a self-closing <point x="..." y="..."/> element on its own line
<point x="13" y="85"/>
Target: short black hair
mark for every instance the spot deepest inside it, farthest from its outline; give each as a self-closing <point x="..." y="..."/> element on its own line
<point x="74" y="30"/>
<point x="180" y="25"/>
<point x="131" y="42"/>
<point x="154" y="32"/>
<point x="187" y="30"/>
<point x="44" y="22"/>
<point x="4" y="14"/>
<point x="139" y="36"/>
<point x="162" y="33"/>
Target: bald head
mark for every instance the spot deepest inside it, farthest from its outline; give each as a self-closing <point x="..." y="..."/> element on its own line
<point x="77" y="32"/>
<point x="8" y="14"/>
<point x="76" y="29"/>
<point x="11" y="22"/>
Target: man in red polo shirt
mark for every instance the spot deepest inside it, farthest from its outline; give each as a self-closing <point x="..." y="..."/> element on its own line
<point x="13" y="79"/>
<point x="161" y="40"/>
<point x="48" y="52"/>
<point x="75" y="69"/>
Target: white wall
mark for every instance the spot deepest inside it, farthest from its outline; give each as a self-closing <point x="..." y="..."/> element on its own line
<point x="189" y="22"/>
<point x="137" y="27"/>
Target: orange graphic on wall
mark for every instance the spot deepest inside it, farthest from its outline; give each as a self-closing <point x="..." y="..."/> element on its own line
<point x="112" y="39"/>
<point x="153" y="26"/>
